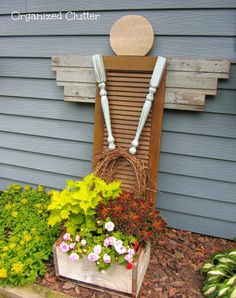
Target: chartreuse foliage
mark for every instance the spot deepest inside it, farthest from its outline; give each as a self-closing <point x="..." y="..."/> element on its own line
<point x="76" y="204"/>
<point x="221" y="275"/>
<point x="25" y="238"/>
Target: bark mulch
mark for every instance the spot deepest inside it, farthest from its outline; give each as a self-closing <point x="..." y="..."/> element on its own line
<point x="173" y="270"/>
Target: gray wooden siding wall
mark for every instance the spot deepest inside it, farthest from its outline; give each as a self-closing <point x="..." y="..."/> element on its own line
<point x="44" y="140"/>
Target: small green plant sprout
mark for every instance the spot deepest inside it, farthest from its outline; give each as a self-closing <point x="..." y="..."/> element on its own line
<point x="220" y="272"/>
<point x="75" y="205"/>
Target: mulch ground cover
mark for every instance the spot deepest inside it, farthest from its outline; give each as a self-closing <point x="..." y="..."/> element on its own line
<point x="173" y="270"/>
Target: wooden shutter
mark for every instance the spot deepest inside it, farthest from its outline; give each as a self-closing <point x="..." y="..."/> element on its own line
<point x="127" y="86"/>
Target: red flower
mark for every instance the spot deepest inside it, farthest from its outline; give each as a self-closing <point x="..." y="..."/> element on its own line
<point x="129" y="266"/>
<point x="136" y="244"/>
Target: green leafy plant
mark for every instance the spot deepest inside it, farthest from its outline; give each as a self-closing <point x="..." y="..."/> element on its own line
<point x="75" y="205"/>
<point x="221" y="275"/>
<point x="133" y="216"/>
<point x="25" y="238"/>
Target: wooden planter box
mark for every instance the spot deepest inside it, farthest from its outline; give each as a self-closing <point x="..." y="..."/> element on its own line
<point x="117" y="279"/>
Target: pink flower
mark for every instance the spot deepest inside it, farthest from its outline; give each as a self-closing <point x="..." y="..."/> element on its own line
<point x="106" y="259"/>
<point x="77" y="238"/>
<point x="131" y="251"/>
<point x="66" y="237"/>
<point x="74" y="257"/>
<point x="93" y="257"/>
<point x="128" y="258"/>
<point x="64" y="246"/>
<point x="109" y="226"/>
<point x="109" y="241"/>
<point x="72" y="245"/>
<point x="97" y="249"/>
<point x="83" y="242"/>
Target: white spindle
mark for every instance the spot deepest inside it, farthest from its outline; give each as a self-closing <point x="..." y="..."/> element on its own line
<point x="101" y="79"/>
<point x="154" y="84"/>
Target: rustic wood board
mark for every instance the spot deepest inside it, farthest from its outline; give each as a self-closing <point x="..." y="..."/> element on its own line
<point x="188" y="80"/>
<point x="125" y="109"/>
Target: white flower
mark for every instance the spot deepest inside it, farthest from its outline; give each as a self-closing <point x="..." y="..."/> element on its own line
<point x="109" y="226"/>
<point x="120" y="249"/>
<point x="97" y="249"/>
<point x="66" y="237"/>
<point x="83" y="242"/>
<point x="72" y="245"/>
<point x="77" y="238"/>
<point x="118" y="243"/>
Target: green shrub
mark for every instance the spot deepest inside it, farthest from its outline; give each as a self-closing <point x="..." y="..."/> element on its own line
<point x="25" y="238"/>
<point x="221" y="275"/>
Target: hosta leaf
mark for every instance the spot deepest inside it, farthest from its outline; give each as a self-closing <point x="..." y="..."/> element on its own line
<point x="223" y="267"/>
<point x="214" y="279"/>
<point x="233" y="293"/>
<point x="223" y="291"/>
<point x="210" y="290"/>
<point x="216" y="272"/>
<point x="226" y="260"/>
<point x="206" y="267"/>
<point x="232" y="253"/>
<point x="218" y="255"/>
<point x="232" y="280"/>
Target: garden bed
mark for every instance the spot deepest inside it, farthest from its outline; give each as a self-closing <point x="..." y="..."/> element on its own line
<point x="172" y="271"/>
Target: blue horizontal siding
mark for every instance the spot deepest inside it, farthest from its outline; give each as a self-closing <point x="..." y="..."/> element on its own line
<point x="44" y="140"/>
<point x="194" y="23"/>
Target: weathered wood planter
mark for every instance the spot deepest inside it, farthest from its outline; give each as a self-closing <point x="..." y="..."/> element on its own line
<point x="116" y="279"/>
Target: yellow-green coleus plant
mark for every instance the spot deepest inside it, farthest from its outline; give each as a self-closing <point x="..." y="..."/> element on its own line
<point x="76" y="204"/>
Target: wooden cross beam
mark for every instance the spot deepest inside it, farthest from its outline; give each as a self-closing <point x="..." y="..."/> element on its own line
<point x="188" y="80"/>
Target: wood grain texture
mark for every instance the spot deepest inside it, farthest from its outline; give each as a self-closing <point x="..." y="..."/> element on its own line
<point x="132" y="35"/>
<point x="187" y="84"/>
<point x="155" y="135"/>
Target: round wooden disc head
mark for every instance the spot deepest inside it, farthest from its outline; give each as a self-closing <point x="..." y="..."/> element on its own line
<point x="132" y="36"/>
